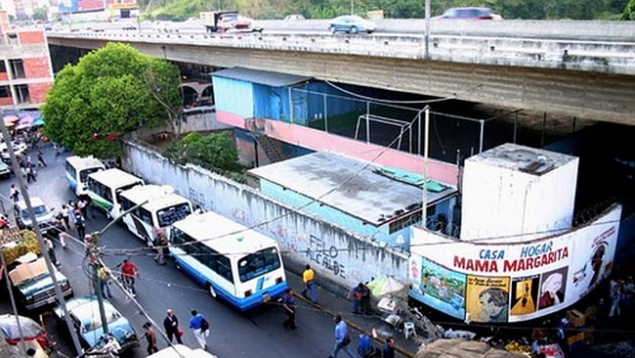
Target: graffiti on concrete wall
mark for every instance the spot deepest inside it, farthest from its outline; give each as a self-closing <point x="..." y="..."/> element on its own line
<point x="325" y="256"/>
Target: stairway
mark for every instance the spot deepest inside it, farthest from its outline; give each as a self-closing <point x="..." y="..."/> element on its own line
<point x="271" y="150"/>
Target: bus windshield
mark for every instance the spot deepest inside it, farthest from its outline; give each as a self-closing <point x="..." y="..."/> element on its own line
<point x="258" y="264"/>
<point x="172" y="214"/>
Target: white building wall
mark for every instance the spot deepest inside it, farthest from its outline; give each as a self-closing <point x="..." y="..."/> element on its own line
<point x="335" y="254"/>
<point x="502" y="203"/>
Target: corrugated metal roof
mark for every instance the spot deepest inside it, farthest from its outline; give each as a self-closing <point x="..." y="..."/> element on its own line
<point x="269" y="78"/>
<point x="352" y="186"/>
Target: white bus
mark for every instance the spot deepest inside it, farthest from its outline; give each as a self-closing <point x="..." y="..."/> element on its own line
<point x="181" y="351"/>
<point x="77" y="171"/>
<point x="105" y="186"/>
<point x="163" y="208"/>
<point x="233" y="262"/>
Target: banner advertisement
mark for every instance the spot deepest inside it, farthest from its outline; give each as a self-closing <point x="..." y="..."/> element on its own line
<point x="513" y="282"/>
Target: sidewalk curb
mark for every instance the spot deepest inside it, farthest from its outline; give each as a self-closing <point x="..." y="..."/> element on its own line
<point x="352" y="325"/>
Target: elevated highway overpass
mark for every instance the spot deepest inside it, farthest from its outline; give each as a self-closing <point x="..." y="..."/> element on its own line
<point x="579" y="68"/>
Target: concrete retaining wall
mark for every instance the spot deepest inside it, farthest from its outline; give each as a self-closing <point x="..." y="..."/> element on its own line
<point x="339" y="258"/>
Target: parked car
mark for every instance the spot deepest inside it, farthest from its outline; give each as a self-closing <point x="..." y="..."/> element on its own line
<point x="84" y="313"/>
<point x="19" y="148"/>
<point x="43" y="214"/>
<point x="33" y="283"/>
<point x="469" y="13"/>
<point x="5" y="170"/>
<point x="352" y="24"/>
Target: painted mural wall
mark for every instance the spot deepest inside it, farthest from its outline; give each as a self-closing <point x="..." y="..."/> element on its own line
<point x="336" y="254"/>
<point x="513" y="282"/>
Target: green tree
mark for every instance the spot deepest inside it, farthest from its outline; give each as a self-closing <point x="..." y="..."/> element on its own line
<point x="108" y="94"/>
<point x="41" y="14"/>
<point x="629" y="11"/>
<point x="215" y="151"/>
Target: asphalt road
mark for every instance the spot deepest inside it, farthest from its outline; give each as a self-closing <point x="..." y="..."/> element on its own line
<point x="258" y="333"/>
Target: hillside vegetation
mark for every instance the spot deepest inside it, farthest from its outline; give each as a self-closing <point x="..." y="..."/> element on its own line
<point x="323" y="9"/>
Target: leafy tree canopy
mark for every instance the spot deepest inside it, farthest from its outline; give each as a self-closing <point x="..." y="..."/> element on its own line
<point x="215" y="151"/>
<point x="629" y="11"/>
<point x="41" y="14"/>
<point x="109" y="93"/>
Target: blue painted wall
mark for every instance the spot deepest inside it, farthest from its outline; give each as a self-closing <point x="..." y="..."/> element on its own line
<point x="234" y="96"/>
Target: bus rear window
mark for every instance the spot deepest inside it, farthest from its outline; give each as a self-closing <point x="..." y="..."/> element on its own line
<point x="258" y="264"/>
<point x="169" y="216"/>
<point x="83" y="175"/>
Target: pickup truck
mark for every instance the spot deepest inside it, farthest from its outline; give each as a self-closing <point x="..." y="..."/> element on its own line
<point x="227" y="21"/>
<point x="33" y="284"/>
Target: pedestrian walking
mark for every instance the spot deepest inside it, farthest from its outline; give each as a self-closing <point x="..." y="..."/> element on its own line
<point x="50" y="248"/>
<point x="389" y="348"/>
<point x="40" y="159"/>
<point x="129" y="272"/>
<point x="63" y="236"/>
<point x="200" y="328"/>
<point x="64" y="213"/>
<point x="151" y="337"/>
<point x="104" y="281"/>
<point x="288" y="304"/>
<point x="171" y="325"/>
<point x="30" y="174"/>
<point x="308" y="277"/>
<point x="80" y="225"/>
<point x="160" y="244"/>
<point x="14" y="193"/>
<point x="342" y="338"/>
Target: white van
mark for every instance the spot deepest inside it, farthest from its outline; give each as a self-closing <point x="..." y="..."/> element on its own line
<point x="105" y="186"/>
<point x="77" y="171"/>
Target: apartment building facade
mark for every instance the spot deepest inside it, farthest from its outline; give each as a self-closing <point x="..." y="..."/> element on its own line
<point x="26" y="73"/>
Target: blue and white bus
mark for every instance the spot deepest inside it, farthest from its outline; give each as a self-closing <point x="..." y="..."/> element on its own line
<point x="77" y="171"/>
<point x="231" y="261"/>
<point x="163" y="208"/>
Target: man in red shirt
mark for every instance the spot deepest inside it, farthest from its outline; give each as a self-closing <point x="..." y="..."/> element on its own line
<point x="128" y="273"/>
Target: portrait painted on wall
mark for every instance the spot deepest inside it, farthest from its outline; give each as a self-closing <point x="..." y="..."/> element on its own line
<point x="487" y="299"/>
<point x="553" y="288"/>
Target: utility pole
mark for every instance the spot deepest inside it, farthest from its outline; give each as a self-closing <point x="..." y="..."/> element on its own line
<point x="426" y="136"/>
<point x="426" y="52"/>
<point x="38" y="233"/>
<point x="93" y="258"/>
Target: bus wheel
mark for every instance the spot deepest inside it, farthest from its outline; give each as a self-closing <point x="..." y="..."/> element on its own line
<point x="211" y="290"/>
